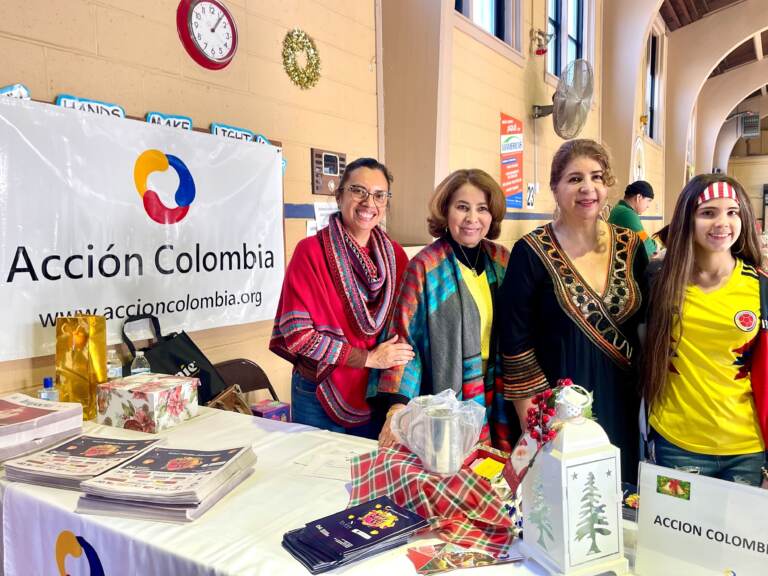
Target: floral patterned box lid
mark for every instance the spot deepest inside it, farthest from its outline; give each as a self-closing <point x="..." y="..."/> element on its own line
<point x="147" y="402"/>
<point x="149" y="382"/>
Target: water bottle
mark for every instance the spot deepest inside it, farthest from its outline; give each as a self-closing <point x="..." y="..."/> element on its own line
<point x="140" y="364"/>
<point x="48" y="392"/>
<point x="114" y="366"/>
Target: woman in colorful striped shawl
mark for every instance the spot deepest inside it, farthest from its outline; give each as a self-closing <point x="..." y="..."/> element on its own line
<point x="445" y="309"/>
<point x="337" y="297"/>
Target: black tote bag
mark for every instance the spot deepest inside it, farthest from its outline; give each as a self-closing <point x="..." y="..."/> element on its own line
<point x="177" y="354"/>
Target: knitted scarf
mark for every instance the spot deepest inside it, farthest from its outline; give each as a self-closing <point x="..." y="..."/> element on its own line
<point x="366" y="279"/>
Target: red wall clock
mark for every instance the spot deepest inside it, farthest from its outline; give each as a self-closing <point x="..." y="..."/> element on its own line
<point x="208" y="32"/>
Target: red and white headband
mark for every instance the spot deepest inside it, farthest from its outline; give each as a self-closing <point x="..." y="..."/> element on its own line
<point x="718" y="190"/>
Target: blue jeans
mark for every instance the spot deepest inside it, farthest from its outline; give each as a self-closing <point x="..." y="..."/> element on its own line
<point x="306" y="409"/>
<point x="741" y="468"/>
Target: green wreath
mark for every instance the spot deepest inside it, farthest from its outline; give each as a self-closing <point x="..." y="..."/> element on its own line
<point x="295" y="42"/>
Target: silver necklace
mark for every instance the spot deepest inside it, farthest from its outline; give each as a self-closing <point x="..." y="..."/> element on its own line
<point x="477" y="258"/>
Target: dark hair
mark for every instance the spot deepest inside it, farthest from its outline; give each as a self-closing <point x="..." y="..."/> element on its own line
<point x="662" y="235"/>
<point x="371" y="164"/>
<point x="441" y="200"/>
<point x="639" y="187"/>
<point x="668" y="288"/>
<point x="581" y="148"/>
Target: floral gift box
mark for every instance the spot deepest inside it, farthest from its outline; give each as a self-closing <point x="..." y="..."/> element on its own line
<point x="147" y="402"/>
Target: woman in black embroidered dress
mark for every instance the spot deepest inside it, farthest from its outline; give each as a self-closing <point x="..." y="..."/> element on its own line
<point x="571" y="307"/>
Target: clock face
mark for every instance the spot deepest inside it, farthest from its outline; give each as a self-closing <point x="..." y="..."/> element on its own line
<point x="207" y="31"/>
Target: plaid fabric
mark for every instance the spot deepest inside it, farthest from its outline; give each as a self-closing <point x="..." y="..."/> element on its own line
<point x="462" y="509"/>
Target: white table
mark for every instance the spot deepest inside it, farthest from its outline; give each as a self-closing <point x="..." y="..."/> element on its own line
<point x="240" y="535"/>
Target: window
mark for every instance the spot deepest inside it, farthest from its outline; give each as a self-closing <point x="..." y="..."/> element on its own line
<point x="575" y="40"/>
<point x="568" y="24"/>
<point x="554" y="24"/>
<point x="653" y="79"/>
<point x="500" y="18"/>
<point x="652" y="84"/>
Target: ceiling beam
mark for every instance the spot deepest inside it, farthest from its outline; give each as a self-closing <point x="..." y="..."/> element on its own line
<point x="670" y="16"/>
<point x="682" y="11"/>
<point x="758" y="46"/>
<point x="692" y="9"/>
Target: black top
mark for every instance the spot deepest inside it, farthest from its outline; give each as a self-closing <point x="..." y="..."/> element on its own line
<point x="470" y="257"/>
<point x="554" y="325"/>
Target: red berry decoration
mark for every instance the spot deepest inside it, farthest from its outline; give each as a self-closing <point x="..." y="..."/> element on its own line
<point x="542" y="412"/>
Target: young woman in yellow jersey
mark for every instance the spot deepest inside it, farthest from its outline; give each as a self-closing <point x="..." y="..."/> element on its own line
<point x="704" y="319"/>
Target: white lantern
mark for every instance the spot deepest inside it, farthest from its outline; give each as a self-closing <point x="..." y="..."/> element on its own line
<point x="571" y="496"/>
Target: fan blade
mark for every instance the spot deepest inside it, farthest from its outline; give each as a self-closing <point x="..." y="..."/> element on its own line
<point x="573" y="98"/>
<point x="582" y="82"/>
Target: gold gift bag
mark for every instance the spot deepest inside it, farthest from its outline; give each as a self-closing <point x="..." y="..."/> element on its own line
<point x="81" y="359"/>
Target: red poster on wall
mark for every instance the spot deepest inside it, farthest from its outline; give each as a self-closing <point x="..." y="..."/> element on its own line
<point x="511" y="158"/>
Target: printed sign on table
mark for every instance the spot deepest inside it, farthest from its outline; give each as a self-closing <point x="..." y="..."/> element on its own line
<point x="511" y="158"/>
<point x="693" y="524"/>
<point x="118" y="217"/>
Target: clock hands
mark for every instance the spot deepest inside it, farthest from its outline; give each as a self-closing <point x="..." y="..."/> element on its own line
<point x="217" y="23"/>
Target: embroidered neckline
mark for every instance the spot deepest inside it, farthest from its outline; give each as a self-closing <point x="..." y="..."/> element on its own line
<point x="598" y="316"/>
<point x="608" y="273"/>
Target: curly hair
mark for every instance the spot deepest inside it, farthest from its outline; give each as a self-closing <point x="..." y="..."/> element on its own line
<point x="581" y="148"/>
<point x="441" y="200"/>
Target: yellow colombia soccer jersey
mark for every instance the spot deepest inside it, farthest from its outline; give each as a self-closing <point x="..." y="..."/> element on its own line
<point x="481" y="294"/>
<point x="707" y="405"/>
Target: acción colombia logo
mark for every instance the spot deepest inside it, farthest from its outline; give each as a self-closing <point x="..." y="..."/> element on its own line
<point x="157" y="161"/>
<point x="68" y="544"/>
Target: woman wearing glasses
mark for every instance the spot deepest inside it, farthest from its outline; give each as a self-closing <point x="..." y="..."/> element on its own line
<point x="445" y="309"/>
<point x="337" y="296"/>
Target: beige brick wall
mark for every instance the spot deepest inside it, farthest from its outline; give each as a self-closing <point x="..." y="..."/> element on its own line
<point x="128" y="52"/>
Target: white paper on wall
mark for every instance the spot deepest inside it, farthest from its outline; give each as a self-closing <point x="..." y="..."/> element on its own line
<point x="323" y="211"/>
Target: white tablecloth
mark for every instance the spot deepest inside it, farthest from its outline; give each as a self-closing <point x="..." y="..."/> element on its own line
<point x="240" y="535"/>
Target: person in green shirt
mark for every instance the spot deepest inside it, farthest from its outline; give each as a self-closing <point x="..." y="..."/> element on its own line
<point x="637" y="198"/>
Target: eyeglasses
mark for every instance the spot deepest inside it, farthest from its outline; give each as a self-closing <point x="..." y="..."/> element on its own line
<point x="361" y="193"/>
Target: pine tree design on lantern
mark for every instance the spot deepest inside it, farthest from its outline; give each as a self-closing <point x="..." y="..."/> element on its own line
<point x="540" y="515"/>
<point x="592" y="518"/>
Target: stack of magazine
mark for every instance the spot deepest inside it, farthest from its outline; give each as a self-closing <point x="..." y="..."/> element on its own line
<point x="167" y="484"/>
<point x="29" y="424"/>
<point x="78" y="459"/>
<point x="352" y="534"/>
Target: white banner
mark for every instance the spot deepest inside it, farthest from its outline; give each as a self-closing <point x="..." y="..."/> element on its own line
<point x="116" y="217"/>
<point x="692" y="524"/>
